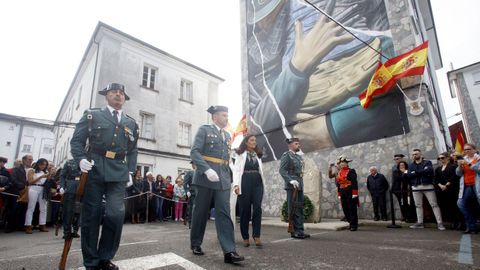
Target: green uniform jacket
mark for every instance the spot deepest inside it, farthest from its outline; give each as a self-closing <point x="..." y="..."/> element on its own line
<point x="291" y="168"/>
<point x="105" y="134"/>
<point x="209" y="142"/>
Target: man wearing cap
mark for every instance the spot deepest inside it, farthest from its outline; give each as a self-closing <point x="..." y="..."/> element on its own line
<point x="291" y="169"/>
<point x="212" y="180"/>
<point x="348" y="191"/>
<point x="110" y="159"/>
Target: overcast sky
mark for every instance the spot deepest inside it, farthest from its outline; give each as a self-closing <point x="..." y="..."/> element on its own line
<point x="44" y="41"/>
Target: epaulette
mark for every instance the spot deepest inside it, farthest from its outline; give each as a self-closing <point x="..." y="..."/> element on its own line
<point x="92" y="110"/>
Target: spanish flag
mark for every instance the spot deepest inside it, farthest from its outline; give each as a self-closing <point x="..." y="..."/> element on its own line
<point x="241" y="128"/>
<point x="404" y="65"/>
<point x="381" y="81"/>
<point x="460" y="142"/>
<point x="410" y="63"/>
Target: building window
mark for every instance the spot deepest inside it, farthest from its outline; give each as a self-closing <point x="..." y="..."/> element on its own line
<point x="47" y="149"/>
<point x="148" y="79"/>
<point x="476" y="77"/>
<point x="186" y="91"/>
<point x="147" y="128"/>
<point x="184" y="134"/>
<point x="27" y="148"/>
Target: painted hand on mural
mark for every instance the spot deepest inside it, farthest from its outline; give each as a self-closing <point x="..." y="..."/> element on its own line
<point x="318" y="42"/>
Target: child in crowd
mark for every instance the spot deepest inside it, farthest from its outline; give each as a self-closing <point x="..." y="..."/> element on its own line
<point x="179" y="198"/>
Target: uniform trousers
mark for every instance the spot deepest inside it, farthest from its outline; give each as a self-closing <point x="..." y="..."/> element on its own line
<point x="298" y="218"/>
<point x="349" y="206"/>
<point x="92" y="216"/>
<point x="223" y="222"/>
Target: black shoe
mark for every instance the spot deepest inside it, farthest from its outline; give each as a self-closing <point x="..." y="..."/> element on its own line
<point x="384" y="219"/>
<point x="353" y="229"/>
<point x="75" y="235"/>
<point x="376" y="218"/>
<point x="107" y="265"/>
<point x="298" y="235"/>
<point x="233" y="257"/>
<point x="306" y="235"/>
<point x="197" y="251"/>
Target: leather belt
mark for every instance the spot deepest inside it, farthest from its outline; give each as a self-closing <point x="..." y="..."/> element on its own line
<point x="109" y="154"/>
<point x="215" y="160"/>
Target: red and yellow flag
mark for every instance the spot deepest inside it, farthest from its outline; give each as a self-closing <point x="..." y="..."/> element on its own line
<point x="460" y="142"/>
<point x="241" y="127"/>
<point x="381" y="81"/>
<point x="410" y="63"/>
<point x="404" y="65"/>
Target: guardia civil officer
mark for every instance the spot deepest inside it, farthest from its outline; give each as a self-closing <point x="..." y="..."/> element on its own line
<point x="69" y="178"/>
<point x="291" y="170"/>
<point x="212" y="180"/>
<point x="110" y="161"/>
<point x="190" y="191"/>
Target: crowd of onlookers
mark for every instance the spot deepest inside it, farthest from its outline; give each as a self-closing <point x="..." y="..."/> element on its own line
<point x="38" y="206"/>
<point x="451" y="189"/>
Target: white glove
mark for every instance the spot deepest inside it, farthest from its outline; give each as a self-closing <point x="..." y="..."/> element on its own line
<point x="212" y="175"/>
<point x="62" y="191"/>
<point x="86" y="165"/>
<point x="295" y="183"/>
<point x="354" y="196"/>
<point x="189" y="194"/>
<point x="130" y="181"/>
<point x="339" y="197"/>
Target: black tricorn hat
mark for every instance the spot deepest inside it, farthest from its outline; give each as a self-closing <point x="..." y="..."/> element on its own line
<point x="291" y="140"/>
<point x="114" y="86"/>
<point x="343" y="158"/>
<point x="218" y="108"/>
<point x="399" y="156"/>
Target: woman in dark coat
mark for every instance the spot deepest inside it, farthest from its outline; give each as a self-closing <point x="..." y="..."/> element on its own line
<point x="447" y="185"/>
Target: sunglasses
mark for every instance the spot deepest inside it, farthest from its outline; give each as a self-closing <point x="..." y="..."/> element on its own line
<point x="440" y="158"/>
<point x="467" y="149"/>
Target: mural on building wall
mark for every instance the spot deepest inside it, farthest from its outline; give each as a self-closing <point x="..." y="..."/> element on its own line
<point x="305" y="73"/>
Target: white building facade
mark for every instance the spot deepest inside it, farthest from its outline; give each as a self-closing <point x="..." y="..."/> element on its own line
<point x="465" y="84"/>
<point x="22" y="136"/>
<point x="168" y="98"/>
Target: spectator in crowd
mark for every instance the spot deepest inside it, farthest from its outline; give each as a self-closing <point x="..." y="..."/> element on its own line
<point x="348" y="191"/>
<point x="248" y="184"/>
<point x="377" y="184"/>
<point x="15" y="215"/>
<point x="401" y="190"/>
<point x="469" y="169"/>
<point x="168" y="195"/>
<point x="51" y="192"/>
<point x="149" y="185"/>
<point x="135" y="202"/>
<point x="36" y="181"/>
<point x="446" y="187"/>
<point x="5" y="180"/>
<point x="190" y="192"/>
<point x="179" y="198"/>
<point x="420" y="175"/>
<point x="161" y="187"/>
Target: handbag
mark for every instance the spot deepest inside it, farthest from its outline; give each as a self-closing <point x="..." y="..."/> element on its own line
<point x="23" y="198"/>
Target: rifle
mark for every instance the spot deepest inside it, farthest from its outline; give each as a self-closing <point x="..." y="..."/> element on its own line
<point x="292" y="210"/>
<point x="81" y="185"/>
<point x="66" y="249"/>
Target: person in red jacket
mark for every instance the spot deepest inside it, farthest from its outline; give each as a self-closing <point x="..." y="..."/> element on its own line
<point x="348" y="191"/>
